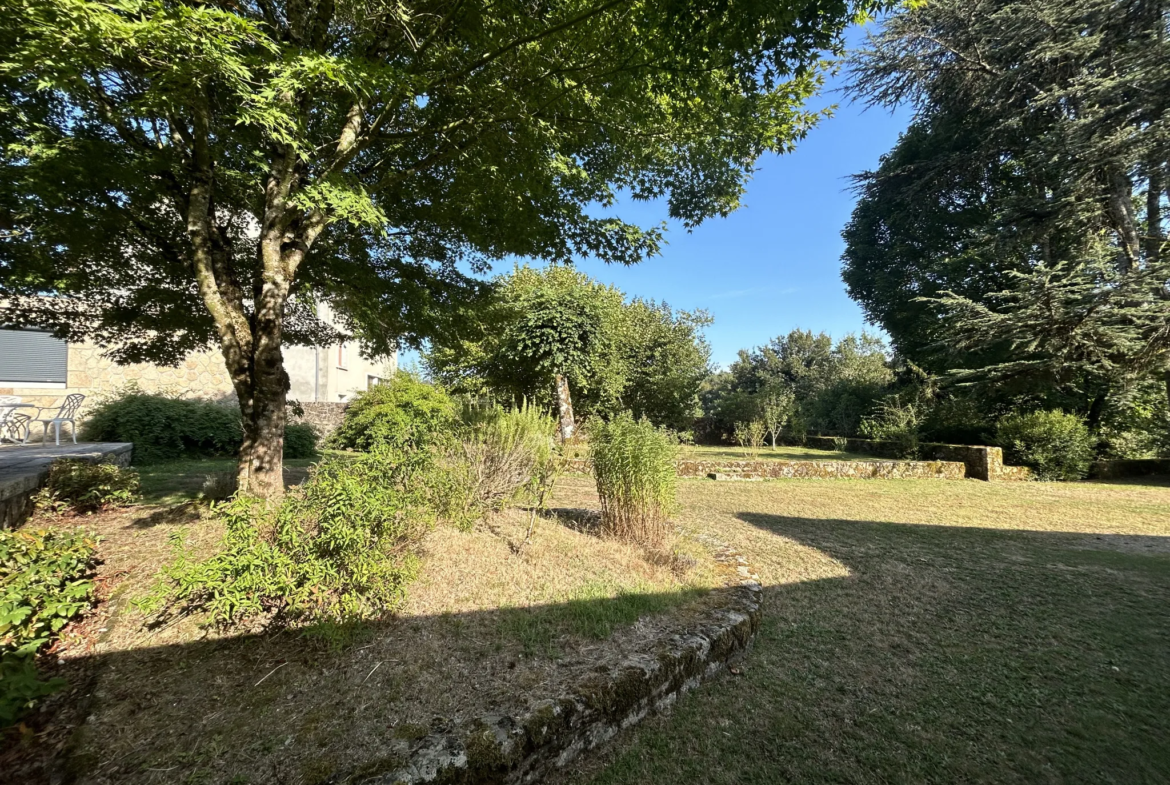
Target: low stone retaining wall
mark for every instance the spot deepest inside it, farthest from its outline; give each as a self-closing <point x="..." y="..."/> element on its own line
<point x="776" y="470"/>
<point x="24" y="469"/>
<point x="499" y="749"/>
<point x="324" y="416"/>
<point x="1144" y="467"/>
<point x="983" y="462"/>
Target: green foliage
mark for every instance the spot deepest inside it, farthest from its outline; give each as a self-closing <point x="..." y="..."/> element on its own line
<point x="1055" y="445"/>
<point x="503" y="452"/>
<point x="84" y="487"/>
<point x="634" y="467"/>
<point x="1025" y="206"/>
<point x="300" y="441"/>
<point x="340" y="548"/>
<point x="750" y="435"/>
<point x="21" y="687"/>
<point x="165" y="427"/>
<point x="833" y="386"/>
<point x="404" y="413"/>
<point x="840" y="443"/>
<point x="777" y="403"/>
<point x="43" y="585"/>
<point x="898" y="423"/>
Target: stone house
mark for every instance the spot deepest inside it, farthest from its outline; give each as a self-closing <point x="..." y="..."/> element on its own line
<point x="42" y="370"/>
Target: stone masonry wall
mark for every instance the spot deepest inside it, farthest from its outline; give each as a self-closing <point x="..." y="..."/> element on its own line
<point x="1143" y="467"/>
<point x="504" y="750"/>
<point x="324" y="416"/>
<point x="983" y="462"/>
<point x="17" y="489"/>
<point x="775" y="470"/>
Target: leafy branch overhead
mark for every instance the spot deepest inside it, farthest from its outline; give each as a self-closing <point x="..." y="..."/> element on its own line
<point x="188" y="170"/>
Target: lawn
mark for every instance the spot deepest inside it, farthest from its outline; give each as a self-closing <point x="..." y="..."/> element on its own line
<point x="929" y="632"/>
<point x="174" y="482"/>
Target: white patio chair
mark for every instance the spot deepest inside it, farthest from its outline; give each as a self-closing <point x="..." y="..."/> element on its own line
<point x="67" y="412"/>
<point x="15" y="427"/>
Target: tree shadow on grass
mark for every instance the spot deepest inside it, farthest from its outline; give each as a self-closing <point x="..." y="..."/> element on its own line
<point x="947" y="654"/>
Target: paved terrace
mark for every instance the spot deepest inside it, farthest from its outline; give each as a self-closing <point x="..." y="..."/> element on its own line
<point x="23" y="467"/>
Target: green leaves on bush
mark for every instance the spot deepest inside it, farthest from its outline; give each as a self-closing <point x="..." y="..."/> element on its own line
<point x="1055" y="445"/>
<point x="165" y="428"/>
<point x="340" y="548"/>
<point x="300" y="441"/>
<point x="43" y="585"/>
<point x="502" y="453"/>
<point x="634" y="466"/>
<point x="405" y="413"/>
<point x="85" y="487"/>
<point x="897" y="423"/>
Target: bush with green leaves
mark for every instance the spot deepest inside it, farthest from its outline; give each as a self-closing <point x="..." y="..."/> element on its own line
<point x="503" y="453"/>
<point x="896" y="423"/>
<point x="750" y="435"/>
<point x="84" y="487"/>
<point x="339" y="548"/>
<point x="634" y="467"/>
<point x="404" y="413"/>
<point x="44" y="583"/>
<point x="1055" y="445"/>
<point x="300" y="441"/>
<point x="165" y="427"/>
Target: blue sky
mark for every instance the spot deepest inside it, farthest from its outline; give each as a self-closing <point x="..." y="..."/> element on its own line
<point x="774" y="265"/>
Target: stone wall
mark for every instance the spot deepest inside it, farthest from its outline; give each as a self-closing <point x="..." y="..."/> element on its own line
<point x="1144" y="467"/>
<point x="324" y="416"/>
<point x="499" y="750"/>
<point x="776" y="470"/>
<point x="983" y="462"/>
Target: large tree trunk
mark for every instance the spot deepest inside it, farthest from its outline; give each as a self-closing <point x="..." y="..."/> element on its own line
<point x="565" y="408"/>
<point x="1154" y="237"/>
<point x="1123" y="217"/>
<point x="260" y="471"/>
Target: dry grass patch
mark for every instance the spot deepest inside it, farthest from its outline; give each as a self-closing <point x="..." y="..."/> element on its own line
<point x="489" y="627"/>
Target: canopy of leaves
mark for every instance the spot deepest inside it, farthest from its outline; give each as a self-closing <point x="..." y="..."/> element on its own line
<point x="380" y="150"/>
<point x="1016" y="231"/>
<point x="640" y="355"/>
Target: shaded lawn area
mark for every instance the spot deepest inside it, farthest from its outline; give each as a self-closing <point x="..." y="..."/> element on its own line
<point x="781" y="453"/>
<point x="930" y="632"/>
<point x="174" y="482"/>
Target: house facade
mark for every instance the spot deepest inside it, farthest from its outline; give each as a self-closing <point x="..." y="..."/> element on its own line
<point x="42" y="370"/>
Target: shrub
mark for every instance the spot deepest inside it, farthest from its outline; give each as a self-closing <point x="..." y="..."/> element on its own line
<point x="300" y="441"/>
<point x="840" y="443"/>
<point x="43" y="585"/>
<point x="85" y="487"/>
<point x="1055" y="445"/>
<point x="504" y="452"/>
<point x="340" y="548"/>
<point x="403" y="414"/>
<point x="634" y="466"/>
<point x="219" y="486"/>
<point x="164" y="427"/>
<point x="896" y="423"/>
<point x="750" y="435"/>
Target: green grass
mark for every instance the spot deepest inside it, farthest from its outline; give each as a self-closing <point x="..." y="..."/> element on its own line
<point x="781" y="453"/>
<point x="174" y="482"/>
<point x="921" y="631"/>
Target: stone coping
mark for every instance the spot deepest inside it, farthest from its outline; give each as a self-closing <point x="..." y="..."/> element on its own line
<point x="524" y="749"/>
<point x="772" y="469"/>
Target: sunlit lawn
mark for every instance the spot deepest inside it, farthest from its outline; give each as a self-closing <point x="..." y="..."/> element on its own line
<point x="921" y="631"/>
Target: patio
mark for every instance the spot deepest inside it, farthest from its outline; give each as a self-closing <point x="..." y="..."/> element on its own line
<point x="23" y="467"/>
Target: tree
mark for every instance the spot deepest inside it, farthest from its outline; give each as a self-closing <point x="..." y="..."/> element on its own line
<point x="559" y="338"/>
<point x="776" y="406"/>
<point x="1037" y="168"/>
<point x="192" y="172"/>
<point x="548" y="335"/>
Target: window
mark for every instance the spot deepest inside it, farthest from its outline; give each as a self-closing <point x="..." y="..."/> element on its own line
<point x="373" y="381"/>
<point x="342" y="356"/>
<point x="33" y="358"/>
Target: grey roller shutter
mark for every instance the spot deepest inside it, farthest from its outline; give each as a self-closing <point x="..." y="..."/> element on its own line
<point x="32" y="356"/>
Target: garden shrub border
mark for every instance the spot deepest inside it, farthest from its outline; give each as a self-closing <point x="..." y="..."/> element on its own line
<point x="498" y="749"/>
